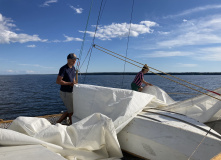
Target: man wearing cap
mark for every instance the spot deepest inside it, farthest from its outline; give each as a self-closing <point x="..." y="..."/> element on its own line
<point x="139" y="79"/>
<point x="66" y="78"/>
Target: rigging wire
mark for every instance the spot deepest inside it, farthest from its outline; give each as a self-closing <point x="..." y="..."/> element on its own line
<point x="161" y="71"/>
<point x="184" y="93"/>
<point x="86" y="56"/>
<point x="203" y="138"/>
<point x="128" y="39"/>
<point x="199" y="145"/>
<point x="156" y="70"/>
<point x="103" y="8"/>
<point x="209" y="131"/>
<point x="82" y="45"/>
<point x="90" y="50"/>
<point x="95" y="46"/>
<point x="98" y="20"/>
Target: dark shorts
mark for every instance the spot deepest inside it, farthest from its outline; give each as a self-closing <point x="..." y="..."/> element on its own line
<point x="134" y="87"/>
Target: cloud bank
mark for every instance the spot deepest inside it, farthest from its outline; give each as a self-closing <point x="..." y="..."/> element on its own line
<point x="7" y="35"/>
<point x="195" y="10"/>
<point x="206" y="30"/>
<point x="200" y="36"/>
<point x="120" y="30"/>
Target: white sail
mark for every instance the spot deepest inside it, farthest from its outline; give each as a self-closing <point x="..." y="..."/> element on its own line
<point x="202" y="108"/>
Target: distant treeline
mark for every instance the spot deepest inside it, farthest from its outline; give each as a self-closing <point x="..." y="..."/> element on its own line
<point x="134" y="73"/>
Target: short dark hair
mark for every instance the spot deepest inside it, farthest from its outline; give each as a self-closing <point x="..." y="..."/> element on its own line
<point x="72" y="56"/>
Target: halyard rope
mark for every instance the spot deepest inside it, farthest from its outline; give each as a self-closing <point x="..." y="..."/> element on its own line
<point x="90" y="51"/>
<point x="171" y="80"/>
<point x="160" y="71"/>
<point x="96" y="46"/>
<point x="128" y="39"/>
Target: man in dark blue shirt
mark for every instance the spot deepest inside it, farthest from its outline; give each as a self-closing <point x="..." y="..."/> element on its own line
<point x="66" y="78"/>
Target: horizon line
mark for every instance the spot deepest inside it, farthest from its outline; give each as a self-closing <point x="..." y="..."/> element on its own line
<point x="127" y="73"/>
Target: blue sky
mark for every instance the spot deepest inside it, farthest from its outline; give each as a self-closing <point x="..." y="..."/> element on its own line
<point x="169" y="35"/>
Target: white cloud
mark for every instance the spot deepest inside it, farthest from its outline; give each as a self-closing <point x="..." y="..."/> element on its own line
<point x="195" y="10"/>
<point x="13" y="72"/>
<point x="203" y="54"/>
<point x="186" y="65"/>
<point x="69" y="39"/>
<point x="8" y="36"/>
<point x="47" y="3"/>
<point x="30" y="72"/>
<point x="209" y="54"/>
<point x="157" y="54"/>
<point x="36" y="65"/>
<point x="163" y="33"/>
<point x="120" y="30"/>
<point x="31" y="46"/>
<point x="10" y="71"/>
<point x="77" y="10"/>
<point x="202" y="31"/>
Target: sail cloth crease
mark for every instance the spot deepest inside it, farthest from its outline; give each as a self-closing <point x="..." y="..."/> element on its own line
<point x="121" y="105"/>
<point x="203" y="108"/>
<point x="103" y="112"/>
<point x="91" y="138"/>
<point x="159" y="94"/>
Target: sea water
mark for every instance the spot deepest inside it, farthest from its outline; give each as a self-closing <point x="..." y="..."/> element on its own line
<point x="38" y="95"/>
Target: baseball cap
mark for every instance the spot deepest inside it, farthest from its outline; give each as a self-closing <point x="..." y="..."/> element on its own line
<point x="72" y="56"/>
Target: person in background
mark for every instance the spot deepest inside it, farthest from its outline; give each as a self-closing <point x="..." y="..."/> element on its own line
<point x="66" y="78"/>
<point x="139" y="79"/>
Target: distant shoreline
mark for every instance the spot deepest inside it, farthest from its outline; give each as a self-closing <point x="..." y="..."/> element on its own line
<point x="134" y="73"/>
<point x="129" y="73"/>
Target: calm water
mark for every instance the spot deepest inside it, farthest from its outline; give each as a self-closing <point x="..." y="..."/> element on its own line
<point x="36" y="95"/>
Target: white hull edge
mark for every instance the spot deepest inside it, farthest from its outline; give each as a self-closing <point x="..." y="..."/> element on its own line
<point x="167" y="138"/>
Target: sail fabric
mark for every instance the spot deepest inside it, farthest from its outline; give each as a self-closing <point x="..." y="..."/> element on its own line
<point x="121" y="105"/>
<point x="91" y="138"/>
<point x="202" y="108"/>
<point x="102" y="112"/>
<point x="159" y="93"/>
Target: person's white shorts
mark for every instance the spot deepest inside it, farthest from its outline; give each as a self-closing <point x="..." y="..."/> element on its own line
<point x="67" y="98"/>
